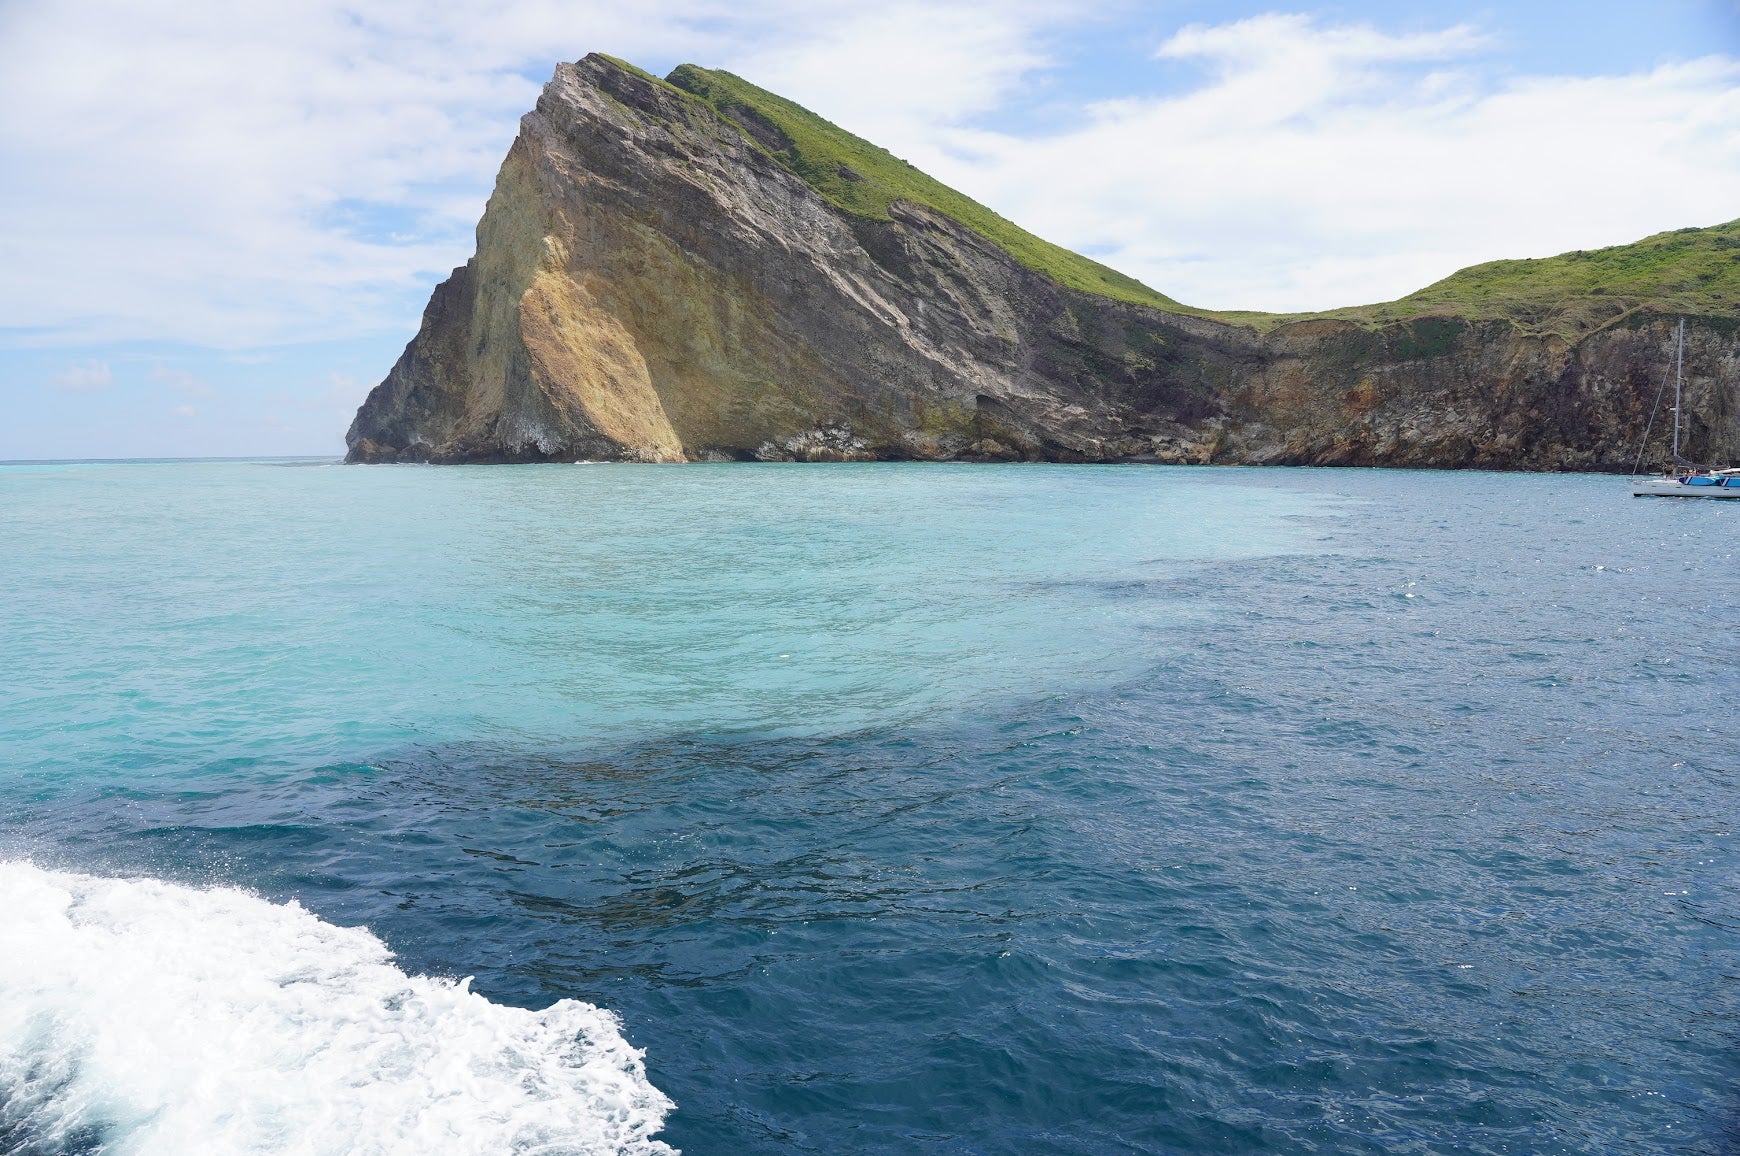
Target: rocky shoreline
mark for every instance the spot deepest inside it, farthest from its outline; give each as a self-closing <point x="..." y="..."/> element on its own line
<point x="652" y="284"/>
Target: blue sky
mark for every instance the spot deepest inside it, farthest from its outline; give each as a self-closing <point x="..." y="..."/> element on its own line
<point x="219" y="227"/>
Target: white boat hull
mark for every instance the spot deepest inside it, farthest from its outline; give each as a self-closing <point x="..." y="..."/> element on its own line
<point x="1692" y="482"/>
<point x="1668" y="488"/>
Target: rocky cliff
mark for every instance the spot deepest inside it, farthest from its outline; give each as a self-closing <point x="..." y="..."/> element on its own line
<point x="694" y="269"/>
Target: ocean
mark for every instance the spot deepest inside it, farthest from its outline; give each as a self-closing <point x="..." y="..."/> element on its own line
<point x="864" y="808"/>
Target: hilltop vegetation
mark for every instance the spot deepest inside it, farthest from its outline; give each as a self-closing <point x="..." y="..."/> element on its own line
<point x="1689" y="271"/>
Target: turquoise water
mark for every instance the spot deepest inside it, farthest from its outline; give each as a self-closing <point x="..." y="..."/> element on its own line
<point x="888" y="808"/>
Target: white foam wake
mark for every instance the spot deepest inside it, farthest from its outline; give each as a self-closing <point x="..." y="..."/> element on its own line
<point x="141" y="1018"/>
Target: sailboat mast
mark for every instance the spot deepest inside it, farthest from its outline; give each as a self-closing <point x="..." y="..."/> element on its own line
<point x="1679" y="365"/>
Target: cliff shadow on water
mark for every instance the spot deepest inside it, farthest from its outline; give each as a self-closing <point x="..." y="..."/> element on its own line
<point x="1112" y="922"/>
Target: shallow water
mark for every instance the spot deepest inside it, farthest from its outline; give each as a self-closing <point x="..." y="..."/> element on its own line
<point x="891" y="808"/>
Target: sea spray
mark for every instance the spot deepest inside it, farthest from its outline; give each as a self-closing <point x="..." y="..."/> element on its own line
<point x="144" y="1017"/>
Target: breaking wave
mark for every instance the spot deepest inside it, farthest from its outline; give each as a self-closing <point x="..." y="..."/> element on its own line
<point x="139" y="1017"/>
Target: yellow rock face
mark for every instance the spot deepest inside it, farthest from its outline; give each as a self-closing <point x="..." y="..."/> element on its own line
<point x="589" y="367"/>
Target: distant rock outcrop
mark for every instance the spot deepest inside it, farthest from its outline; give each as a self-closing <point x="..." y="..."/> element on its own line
<point x="693" y="269"/>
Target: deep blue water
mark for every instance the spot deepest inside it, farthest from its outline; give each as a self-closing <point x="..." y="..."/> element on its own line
<point x="944" y="809"/>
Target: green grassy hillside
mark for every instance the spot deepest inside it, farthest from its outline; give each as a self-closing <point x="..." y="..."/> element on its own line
<point x="1689" y="271"/>
<point x="860" y="178"/>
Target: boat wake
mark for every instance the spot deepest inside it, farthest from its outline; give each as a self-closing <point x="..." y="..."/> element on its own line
<point x="140" y="1017"/>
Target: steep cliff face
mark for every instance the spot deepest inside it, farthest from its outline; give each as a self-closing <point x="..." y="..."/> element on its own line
<point x="672" y="273"/>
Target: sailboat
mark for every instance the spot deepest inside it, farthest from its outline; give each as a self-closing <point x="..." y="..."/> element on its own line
<point x="1682" y="479"/>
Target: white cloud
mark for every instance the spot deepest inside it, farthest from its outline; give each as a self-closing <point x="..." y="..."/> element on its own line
<point x="1320" y="166"/>
<point x="182" y="381"/>
<point x="184" y="411"/>
<point x="344" y="389"/>
<point x="1296" y="41"/>
<point x="86" y="376"/>
<point x="236" y="175"/>
<point x="893" y="73"/>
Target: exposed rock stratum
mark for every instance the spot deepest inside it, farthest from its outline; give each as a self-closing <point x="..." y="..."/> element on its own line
<point x="674" y="270"/>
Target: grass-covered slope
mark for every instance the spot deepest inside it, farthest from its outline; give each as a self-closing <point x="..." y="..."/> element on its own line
<point x="860" y="178"/>
<point x="1690" y="271"/>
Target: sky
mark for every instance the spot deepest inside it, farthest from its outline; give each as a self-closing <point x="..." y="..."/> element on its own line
<point x="219" y="223"/>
